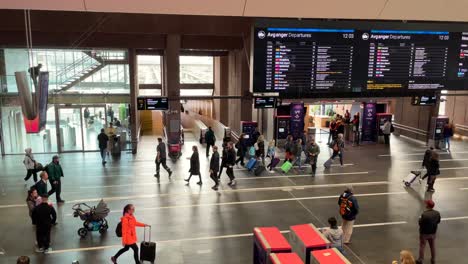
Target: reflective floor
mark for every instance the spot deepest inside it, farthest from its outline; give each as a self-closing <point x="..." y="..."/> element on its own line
<point x="194" y="224"/>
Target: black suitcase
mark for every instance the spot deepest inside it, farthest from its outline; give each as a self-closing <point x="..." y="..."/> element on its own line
<point x="259" y="170"/>
<point x="147" y="248"/>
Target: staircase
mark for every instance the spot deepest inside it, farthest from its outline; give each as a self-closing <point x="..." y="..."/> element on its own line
<point x="83" y="68"/>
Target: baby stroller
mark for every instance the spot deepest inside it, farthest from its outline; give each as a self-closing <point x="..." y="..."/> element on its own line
<point x="94" y="217"/>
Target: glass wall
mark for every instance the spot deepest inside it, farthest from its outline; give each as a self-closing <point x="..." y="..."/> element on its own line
<point x="149" y="69"/>
<point x="71" y="70"/>
<point x="15" y="137"/>
<point x="196" y="69"/>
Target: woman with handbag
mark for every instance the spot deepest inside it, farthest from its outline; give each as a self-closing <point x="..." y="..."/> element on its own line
<point x="30" y="165"/>
<point x="129" y="237"/>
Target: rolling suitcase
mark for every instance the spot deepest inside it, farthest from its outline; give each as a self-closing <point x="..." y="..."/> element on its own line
<point x="328" y="163"/>
<point x="147" y="248"/>
<point x="259" y="170"/>
<point x="286" y="166"/>
<point x="408" y="180"/>
<point x="274" y="163"/>
<point x="251" y="164"/>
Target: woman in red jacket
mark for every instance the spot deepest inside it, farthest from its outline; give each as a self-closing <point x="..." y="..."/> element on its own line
<point x="129" y="237"/>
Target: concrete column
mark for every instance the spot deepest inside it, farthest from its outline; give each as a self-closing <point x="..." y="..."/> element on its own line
<point x="171" y="87"/>
<point x="221" y="75"/>
<point x="134" y="114"/>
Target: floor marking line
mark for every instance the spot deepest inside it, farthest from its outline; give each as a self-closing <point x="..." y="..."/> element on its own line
<point x="454" y="218"/>
<point x="422" y="154"/>
<point x="257" y="201"/>
<point x="295" y="187"/>
<point x="454" y="168"/>
<point x="204" y="238"/>
<point x="443" y="160"/>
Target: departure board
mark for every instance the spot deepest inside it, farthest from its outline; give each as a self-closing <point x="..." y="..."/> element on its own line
<point x="306" y="59"/>
<point x="407" y="59"/>
<point x="350" y="58"/>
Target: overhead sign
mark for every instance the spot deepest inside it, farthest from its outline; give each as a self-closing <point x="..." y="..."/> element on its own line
<point x="265" y="102"/>
<point x="152" y="103"/>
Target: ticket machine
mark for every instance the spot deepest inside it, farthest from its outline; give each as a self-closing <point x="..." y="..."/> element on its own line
<point x="248" y="128"/>
<point x="282" y="126"/>
<point x="436" y="132"/>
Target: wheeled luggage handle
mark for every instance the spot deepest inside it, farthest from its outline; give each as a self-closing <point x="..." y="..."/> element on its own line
<point x="144" y="234"/>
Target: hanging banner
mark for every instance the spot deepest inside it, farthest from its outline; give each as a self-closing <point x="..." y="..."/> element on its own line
<point x="297" y="119"/>
<point x="369" y="129"/>
<point x="42" y="96"/>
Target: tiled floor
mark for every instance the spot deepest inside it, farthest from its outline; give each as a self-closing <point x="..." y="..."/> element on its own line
<point x="194" y="224"/>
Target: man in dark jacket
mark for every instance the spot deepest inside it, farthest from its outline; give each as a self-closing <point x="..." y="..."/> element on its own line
<point x="55" y="173"/>
<point x="428" y="223"/>
<point x="41" y="185"/>
<point x="214" y="167"/>
<point x="349" y="209"/>
<point x="230" y="161"/>
<point x="161" y="157"/>
<point x="313" y="151"/>
<point x="45" y="216"/>
<point x="210" y="140"/>
<point x="103" y="139"/>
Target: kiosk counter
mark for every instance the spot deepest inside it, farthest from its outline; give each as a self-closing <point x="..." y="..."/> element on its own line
<point x="328" y="256"/>
<point x="268" y="240"/>
<point x="285" y="258"/>
<point x="306" y="238"/>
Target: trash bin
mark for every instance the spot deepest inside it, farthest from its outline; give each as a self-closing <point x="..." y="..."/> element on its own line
<point x="116" y="146"/>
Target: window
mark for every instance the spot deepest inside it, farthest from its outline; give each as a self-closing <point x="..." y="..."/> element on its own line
<point x="149" y="69"/>
<point x="196" y="69"/>
<point x="196" y="92"/>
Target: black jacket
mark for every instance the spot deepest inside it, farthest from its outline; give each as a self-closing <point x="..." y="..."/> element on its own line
<point x="195" y="164"/>
<point x="351" y="208"/>
<point x="41" y="187"/>
<point x="433" y="168"/>
<point x="214" y="162"/>
<point x="103" y="139"/>
<point x="427" y="158"/>
<point x="428" y="222"/>
<point x="231" y="157"/>
<point x="261" y="149"/>
<point x="210" y="137"/>
<point x="44" y="215"/>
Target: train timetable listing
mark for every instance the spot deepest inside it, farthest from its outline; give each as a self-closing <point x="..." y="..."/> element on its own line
<point x="407" y="59"/>
<point x="462" y="70"/>
<point x="304" y="59"/>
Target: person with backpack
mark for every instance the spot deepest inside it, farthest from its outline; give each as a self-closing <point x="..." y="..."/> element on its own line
<point x="349" y="209"/>
<point x="214" y="167"/>
<point x="338" y="147"/>
<point x="103" y="141"/>
<point x="288" y="147"/>
<point x="127" y="230"/>
<point x="195" y="165"/>
<point x="55" y="172"/>
<point x="428" y="223"/>
<point x="241" y="147"/>
<point x="210" y="140"/>
<point x="432" y="171"/>
<point x="30" y="165"/>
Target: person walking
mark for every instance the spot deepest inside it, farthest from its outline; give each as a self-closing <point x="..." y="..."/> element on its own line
<point x="260" y="149"/>
<point x="297" y="152"/>
<point x="255" y="135"/>
<point x="214" y="167"/>
<point x="55" y="172"/>
<point x="241" y="147"/>
<point x="103" y="140"/>
<point x="271" y="153"/>
<point x="32" y="202"/>
<point x="356" y="129"/>
<point x="129" y="235"/>
<point x="210" y="140"/>
<point x="313" y="152"/>
<point x="448" y="134"/>
<point x="161" y="157"/>
<point x="349" y="209"/>
<point x="338" y="147"/>
<point x="386" y="131"/>
<point x="332" y="131"/>
<point x="428" y="223"/>
<point x="230" y="161"/>
<point x="432" y="171"/>
<point x="41" y="185"/>
<point x="288" y="147"/>
<point x="30" y="165"/>
<point x="44" y="216"/>
<point x="334" y="234"/>
<point x="194" y="165"/>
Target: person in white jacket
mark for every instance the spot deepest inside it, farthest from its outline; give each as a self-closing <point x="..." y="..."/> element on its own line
<point x="30" y="165"/>
<point x="386" y="131"/>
